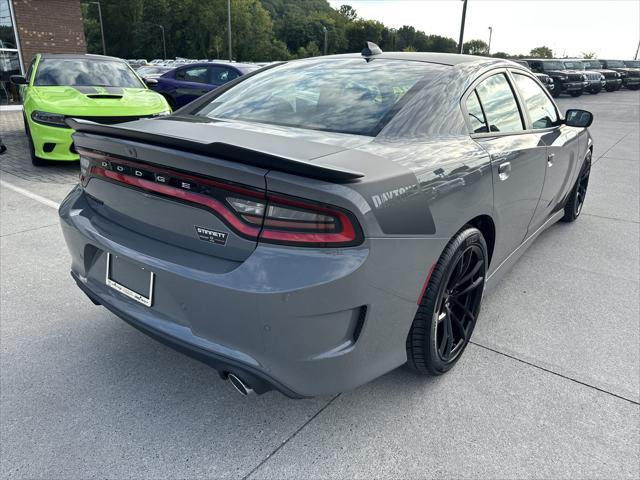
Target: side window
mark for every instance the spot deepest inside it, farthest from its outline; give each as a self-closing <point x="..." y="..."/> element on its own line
<point x="195" y="74"/>
<point x="219" y="75"/>
<point x="499" y="104"/>
<point x="476" y="115"/>
<point x="541" y="110"/>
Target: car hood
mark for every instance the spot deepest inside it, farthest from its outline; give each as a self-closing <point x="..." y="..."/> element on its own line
<point x="564" y="72"/>
<point x="628" y="70"/>
<point x="103" y="101"/>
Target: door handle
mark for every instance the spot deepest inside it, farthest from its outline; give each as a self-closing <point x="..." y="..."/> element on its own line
<point x="550" y="159"/>
<point x="504" y="170"/>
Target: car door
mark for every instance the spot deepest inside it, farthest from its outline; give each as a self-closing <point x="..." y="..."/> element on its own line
<point x="518" y="157"/>
<point x="561" y="144"/>
<point x="191" y="83"/>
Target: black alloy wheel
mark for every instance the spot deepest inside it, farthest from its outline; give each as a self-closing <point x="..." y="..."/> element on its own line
<point x="459" y="304"/>
<point x="450" y="305"/>
<point x="573" y="208"/>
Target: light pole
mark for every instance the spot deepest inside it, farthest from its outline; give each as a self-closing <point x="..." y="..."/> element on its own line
<point x="464" y="14"/>
<point x="229" y="26"/>
<point x="489" y="46"/>
<point x="104" y="48"/>
<point x="637" y="52"/>
<point x="324" y="29"/>
<point x="164" y="44"/>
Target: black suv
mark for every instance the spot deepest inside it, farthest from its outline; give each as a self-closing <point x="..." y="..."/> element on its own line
<point x="572" y="82"/>
<point x="613" y="80"/>
<point x="596" y="79"/>
<point x="545" y="79"/>
<point x="630" y="76"/>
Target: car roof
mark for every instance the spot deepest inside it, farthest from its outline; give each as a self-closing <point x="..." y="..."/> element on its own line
<point x="79" y="56"/>
<point x="450" y="59"/>
<point x="223" y="63"/>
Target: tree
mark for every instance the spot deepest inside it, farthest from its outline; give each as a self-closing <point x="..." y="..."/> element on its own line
<point x="437" y="43"/>
<point x="500" y="55"/>
<point x="541" y="52"/>
<point x="588" y="54"/>
<point x="348" y="12"/>
<point x="361" y="31"/>
<point x="475" y="47"/>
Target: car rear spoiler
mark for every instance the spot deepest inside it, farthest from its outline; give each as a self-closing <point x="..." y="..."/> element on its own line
<point x="220" y="150"/>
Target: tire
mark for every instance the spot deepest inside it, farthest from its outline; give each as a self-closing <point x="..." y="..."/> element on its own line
<point x="576" y="94"/>
<point x="610" y="89"/>
<point x="573" y="207"/>
<point x="35" y="160"/>
<point x="440" y="312"/>
<point x="556" y="92"/>
<point x="634" y="87"/>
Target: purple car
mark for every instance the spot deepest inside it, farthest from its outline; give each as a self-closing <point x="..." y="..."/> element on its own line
<point x="188" y="82"/>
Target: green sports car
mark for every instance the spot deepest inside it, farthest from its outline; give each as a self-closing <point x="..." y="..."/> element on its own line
<point x="92" y="87"/>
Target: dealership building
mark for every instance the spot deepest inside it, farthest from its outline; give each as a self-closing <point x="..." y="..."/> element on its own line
<point x="28" y="27"/>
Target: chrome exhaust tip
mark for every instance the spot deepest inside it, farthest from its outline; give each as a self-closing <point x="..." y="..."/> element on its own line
<point x="239" y="385"/>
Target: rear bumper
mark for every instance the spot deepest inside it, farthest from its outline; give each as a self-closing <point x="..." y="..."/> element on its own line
<point x="302" y="321"/>
<point x="259" y="382"/>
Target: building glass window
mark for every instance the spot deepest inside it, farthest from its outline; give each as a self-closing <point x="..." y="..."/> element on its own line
<point x="9" y="57"/>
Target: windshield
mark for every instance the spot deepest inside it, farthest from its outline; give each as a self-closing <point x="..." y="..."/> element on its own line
<point x="142" y="71"/>
<point x="552" y="66"/>
<point x="347" y="95"/>
<point x="85" y="72"/>
<point x="574" y="65"/>
<point x="632" y="63"/>
<point x="615" y="64"/>
<point x="592" y="64"/>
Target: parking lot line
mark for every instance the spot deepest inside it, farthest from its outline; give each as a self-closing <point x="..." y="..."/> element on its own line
<point x="31" y="195"/>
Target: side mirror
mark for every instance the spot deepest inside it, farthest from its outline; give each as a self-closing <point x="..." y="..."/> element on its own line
<point x="18" y="80"/>
<point x="578" y="118"/>
<point x="150" y="82"/>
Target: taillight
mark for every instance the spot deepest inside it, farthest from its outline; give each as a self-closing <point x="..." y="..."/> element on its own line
<point x="291" y="221"/>
<point x="267" y="218"/>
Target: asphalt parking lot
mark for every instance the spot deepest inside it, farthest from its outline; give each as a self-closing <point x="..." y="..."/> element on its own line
<point x="550" y="387"/>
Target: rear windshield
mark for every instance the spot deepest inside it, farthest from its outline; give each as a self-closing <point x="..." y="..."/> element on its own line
<point x="89" y="72"/>
<point x="348" y="95"/>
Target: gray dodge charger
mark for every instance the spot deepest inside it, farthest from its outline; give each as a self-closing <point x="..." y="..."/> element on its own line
<point x="317" y="223"/>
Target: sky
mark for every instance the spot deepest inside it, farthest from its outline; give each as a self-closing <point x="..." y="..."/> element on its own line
<point x="610" y="28"/>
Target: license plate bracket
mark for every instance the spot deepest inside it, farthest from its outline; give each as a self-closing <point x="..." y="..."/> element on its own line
<point x="129" y="279"/>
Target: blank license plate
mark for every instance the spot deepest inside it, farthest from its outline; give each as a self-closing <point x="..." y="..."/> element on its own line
<point x="130" y="280"/>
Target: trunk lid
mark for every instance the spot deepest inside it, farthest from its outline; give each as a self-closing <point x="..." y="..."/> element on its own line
<point x="176" y="195"/>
